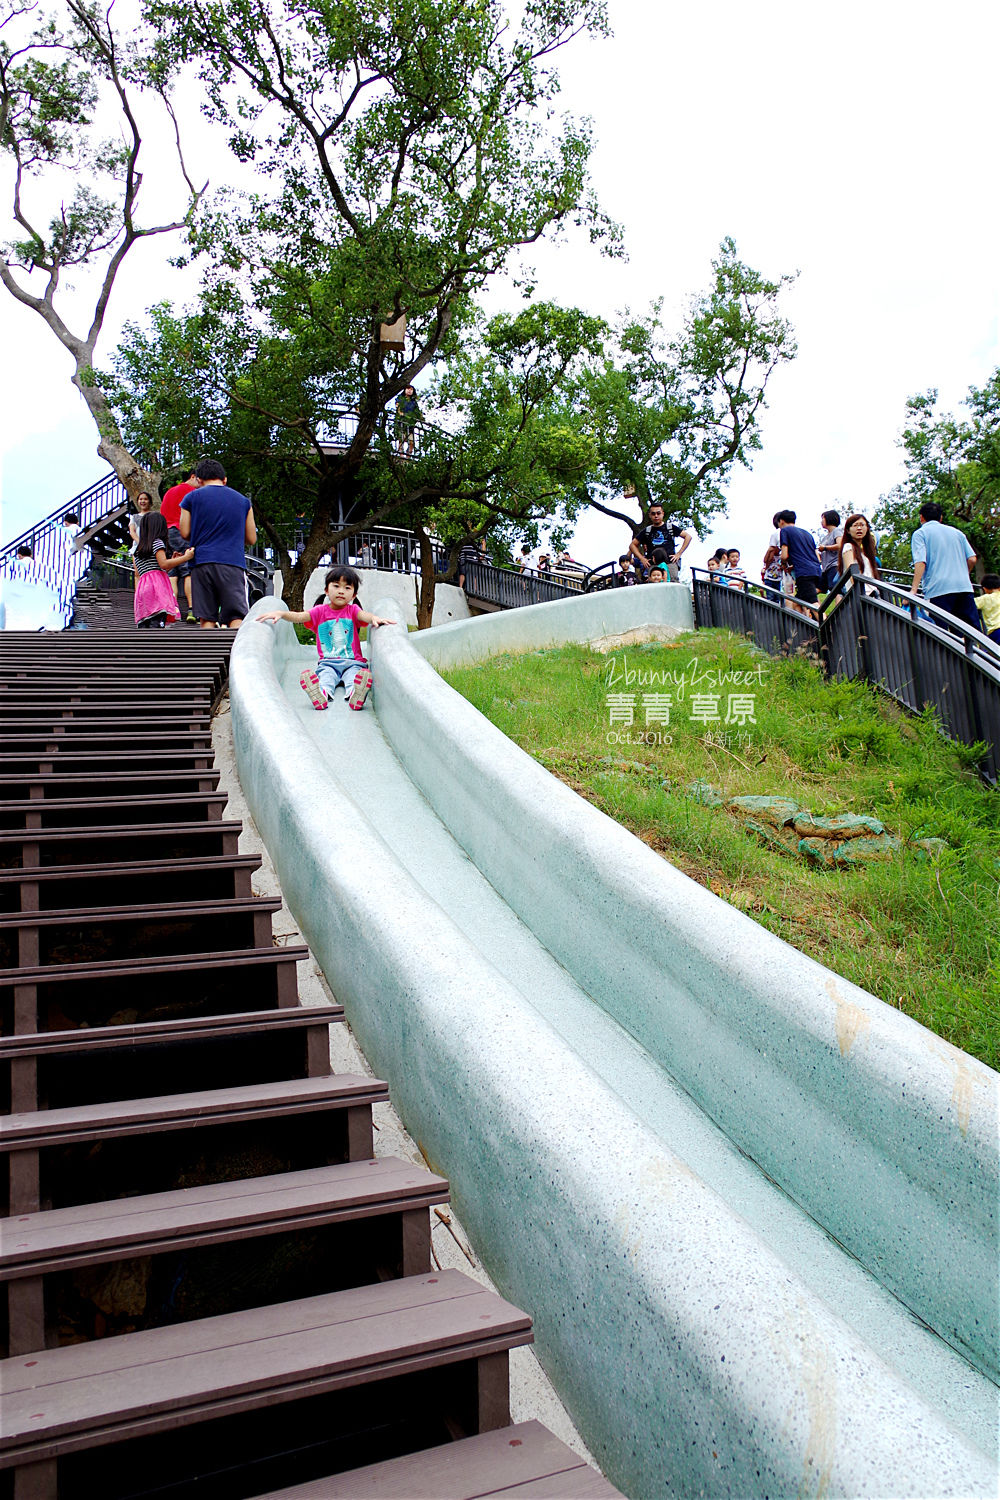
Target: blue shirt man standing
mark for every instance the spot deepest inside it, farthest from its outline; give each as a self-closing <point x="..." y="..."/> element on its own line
<point x="218" y="522"/>
<point x="942" y="561"/>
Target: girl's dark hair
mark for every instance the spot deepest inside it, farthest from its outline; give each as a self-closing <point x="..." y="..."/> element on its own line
<point x="831" y="518"/>
<point x="343" y="574"/>
<point x="991" y="580"/>
<point x="152" y="529"/>
<point x="867" y="544"/>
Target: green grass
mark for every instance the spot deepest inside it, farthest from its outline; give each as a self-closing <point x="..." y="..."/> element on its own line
<point x="922" y="935"/>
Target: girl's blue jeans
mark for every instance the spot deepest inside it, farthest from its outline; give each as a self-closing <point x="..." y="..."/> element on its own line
<point x="333" y="670"/>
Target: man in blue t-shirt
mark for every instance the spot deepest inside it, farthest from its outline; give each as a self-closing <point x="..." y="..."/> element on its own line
<point x="219" y="524"/>
<point x="942" y="561"/>
<point x="798" y="551"/>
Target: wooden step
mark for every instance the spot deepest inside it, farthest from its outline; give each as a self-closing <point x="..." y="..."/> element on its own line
<point x="105" y="741"/>
<point x="443" y="1328"/>
<point x="61" y="783"/>
<point x="77" y="725"/>
<point x="211" y="1250"/>
<point x="24" y="848"/>
<point x="63" y="996"/>
<point x="86" y="934"/>
<point x="97" y="695"/>
<point x="525" y="1462"/>
<point x="63" y="1069"/>
<point x="56" y="887"/>
<point x="81" y="812"/>
<point x="151" y="763"/>
<point x="60" y="1157"/>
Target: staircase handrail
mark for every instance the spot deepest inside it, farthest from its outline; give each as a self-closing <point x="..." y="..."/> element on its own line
<point x="882" y="633"/>
<point x="85" y="502"/>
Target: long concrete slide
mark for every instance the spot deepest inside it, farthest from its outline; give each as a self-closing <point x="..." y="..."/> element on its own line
<point x="752" y="1209"/>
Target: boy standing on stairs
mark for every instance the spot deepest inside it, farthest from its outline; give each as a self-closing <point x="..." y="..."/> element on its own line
<point x="334" y="621"/>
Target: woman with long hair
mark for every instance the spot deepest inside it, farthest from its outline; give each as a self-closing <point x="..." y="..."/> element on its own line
<point x="155" y="602"/>
<point x="857" y="545"/>
<point x="143" y="505"/>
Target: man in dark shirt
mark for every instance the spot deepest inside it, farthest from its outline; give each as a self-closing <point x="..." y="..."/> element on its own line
<point x="219" y="523"/>
<point x="657" y="543"/>
<point x="798" y="550"/>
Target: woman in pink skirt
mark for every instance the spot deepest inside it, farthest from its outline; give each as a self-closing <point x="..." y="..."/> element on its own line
<point x="155" y="602"/>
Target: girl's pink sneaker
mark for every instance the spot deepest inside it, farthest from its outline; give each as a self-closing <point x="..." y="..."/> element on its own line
<point x="359" y="692"/>
<point x="309" y="683"/>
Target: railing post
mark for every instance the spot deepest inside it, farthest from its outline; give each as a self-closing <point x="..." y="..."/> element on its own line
<point x="970" y="690"/>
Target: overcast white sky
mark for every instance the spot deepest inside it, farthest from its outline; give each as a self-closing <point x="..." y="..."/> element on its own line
<point x="855" y="144"/>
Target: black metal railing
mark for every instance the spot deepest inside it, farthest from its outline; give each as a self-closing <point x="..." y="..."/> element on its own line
<point x="391" y="550"/>
<point x="919" y="655"/>
<point x="508" y="588"/>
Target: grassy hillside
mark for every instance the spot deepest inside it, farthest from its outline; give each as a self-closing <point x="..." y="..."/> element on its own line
<point x="921" y="932"/>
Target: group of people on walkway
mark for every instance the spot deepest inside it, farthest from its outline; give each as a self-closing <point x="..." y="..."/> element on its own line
<point x="193" y="547"/>
<point x="804" y="566"/>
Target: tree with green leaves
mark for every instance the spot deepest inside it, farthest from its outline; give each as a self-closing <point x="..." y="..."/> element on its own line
<point x="404" y="151"/>
<point x="955" y="462"/>
<point x="518" y="453"/>
<point x="506" y="452"/>
<point x="55" y="77"/>
<point x="671" y="417"/>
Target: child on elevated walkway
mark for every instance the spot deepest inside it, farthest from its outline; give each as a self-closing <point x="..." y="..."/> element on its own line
<point x="334" y="621"/>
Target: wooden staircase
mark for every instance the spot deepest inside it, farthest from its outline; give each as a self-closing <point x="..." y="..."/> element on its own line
<point x="211" y="1287"/>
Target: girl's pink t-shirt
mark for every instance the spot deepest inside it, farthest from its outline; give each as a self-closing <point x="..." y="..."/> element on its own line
<point x="336" y="631"/>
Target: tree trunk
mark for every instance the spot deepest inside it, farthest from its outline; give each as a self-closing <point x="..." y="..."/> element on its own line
<point x="428" y="581"/>
<point x="111" y="448"/>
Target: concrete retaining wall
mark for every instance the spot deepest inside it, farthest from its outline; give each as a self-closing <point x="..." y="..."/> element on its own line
<point x="692" y="1360"/>
<point x="584" y="618"/>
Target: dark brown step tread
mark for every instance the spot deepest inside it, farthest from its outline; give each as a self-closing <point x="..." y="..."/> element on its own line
<point x="68" y="689"/>
<point x="164" y="777"/>
<point x="222" y="906"/>
<point x="63" y="1400"/>
<point x="71" y="725"/>
<point x="188" y="1028"/>
<point x="135" y="967"/>
<point x="526" y="1462"/>
<point x="114" y="669"/>
<point x="95" y="1232"/>
<point x="169" y="869"/>
<point x="196" y="738"/>
<point x="149" y="764"/>
<point x="61" y="708"/>
<point x="129" y="1116"/>
<point x="144" y="799"/>
<point x="119" y="831"/>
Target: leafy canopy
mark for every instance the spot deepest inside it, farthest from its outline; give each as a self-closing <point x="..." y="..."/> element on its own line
<point x="672" y="416"/>
<point x="955" y="462"/>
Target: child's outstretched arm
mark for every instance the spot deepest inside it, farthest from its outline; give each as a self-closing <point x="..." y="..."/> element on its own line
<point x="367" y="619"/>
<point x="297" y="616"/>
<point x="166" y="563"/>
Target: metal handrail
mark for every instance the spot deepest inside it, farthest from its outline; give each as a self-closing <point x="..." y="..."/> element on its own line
<point x="881" y="633"/>
<point x="52" y="561"/>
